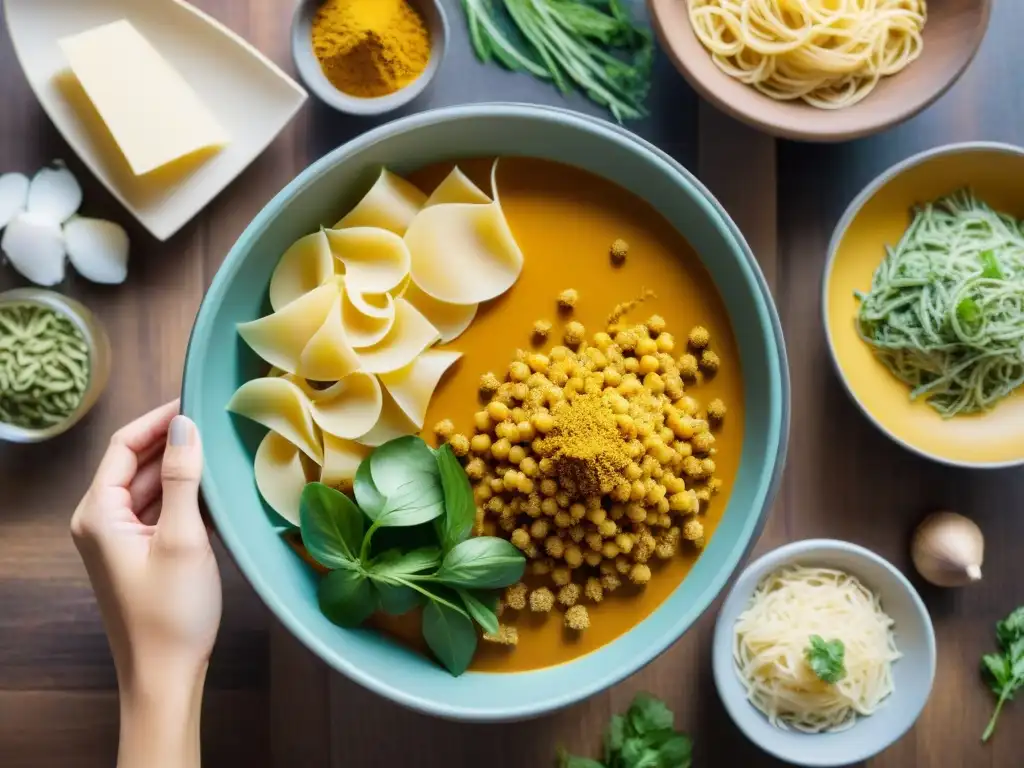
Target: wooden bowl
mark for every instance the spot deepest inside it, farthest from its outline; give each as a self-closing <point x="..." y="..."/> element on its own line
<point x="952" y="35"/>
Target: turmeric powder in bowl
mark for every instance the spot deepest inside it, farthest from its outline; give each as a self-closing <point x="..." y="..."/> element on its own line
<point x="370" y="48"/>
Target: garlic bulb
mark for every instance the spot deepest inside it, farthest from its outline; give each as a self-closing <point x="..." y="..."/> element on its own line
<point x="948" y="550"/>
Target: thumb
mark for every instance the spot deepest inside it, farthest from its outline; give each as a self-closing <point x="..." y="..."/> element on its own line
<point x="180" y="520"/>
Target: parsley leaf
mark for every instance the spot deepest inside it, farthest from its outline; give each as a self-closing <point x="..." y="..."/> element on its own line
<point x="826" y="658"/>
<point x="1004" y="671"/>
<point x="644" y="737"/>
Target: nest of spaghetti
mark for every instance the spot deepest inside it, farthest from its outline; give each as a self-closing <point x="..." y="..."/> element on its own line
<point x="594" y="461"/>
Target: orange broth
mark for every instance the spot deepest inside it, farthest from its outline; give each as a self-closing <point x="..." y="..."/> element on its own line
<point x="565" y="219"/>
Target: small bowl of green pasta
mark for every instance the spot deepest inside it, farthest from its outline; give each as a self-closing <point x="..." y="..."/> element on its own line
<point x="923" y="302"/>
<point x="54" y="364"/>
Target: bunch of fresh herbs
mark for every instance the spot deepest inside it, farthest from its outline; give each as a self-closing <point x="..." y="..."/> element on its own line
<point x="405" y="542"/>
<point x="592" y="44"/>
<point x="1004" y="671"/>
<point x="826" y="659"/>
<point x="645" y="737"/>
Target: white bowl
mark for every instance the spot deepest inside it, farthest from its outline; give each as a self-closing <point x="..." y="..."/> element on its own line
<point x="245" y="91"/>
<point x="913" y="673"/>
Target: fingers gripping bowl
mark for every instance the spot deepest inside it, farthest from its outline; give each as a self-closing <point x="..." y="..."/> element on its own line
<point x="218" y="363"/>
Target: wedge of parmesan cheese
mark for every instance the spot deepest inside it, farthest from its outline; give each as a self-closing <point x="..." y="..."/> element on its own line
<point x="151" y="111"/>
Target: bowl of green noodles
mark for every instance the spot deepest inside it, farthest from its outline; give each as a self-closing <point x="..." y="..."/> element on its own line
<point x="923" y="303"/>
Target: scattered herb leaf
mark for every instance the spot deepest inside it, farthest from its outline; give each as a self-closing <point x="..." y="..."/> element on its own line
<point x="411" y="505"/>
<point x="826" y="659"/>
<point x="456" y="524"/>
<point x="346" y="597"/>
<point x="400" y="462"/>
<point x="368" y="497"/>
<point x="481" y="607"/>
<point x="990" y="266"/>
<point x="1004" y="671"/>
<point x="450" y="635"/>
<point x="397" y="563"/>
<point x="594" y="45"/>
<point x="968" y="311"/>
<point x="397" y="599"/>
<point x="331" y="526"/>
<point x="645" y="737"/>
<point x="485" y="562"/>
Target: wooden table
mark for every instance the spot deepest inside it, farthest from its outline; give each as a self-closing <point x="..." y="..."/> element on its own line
<point x="268" y="701"/>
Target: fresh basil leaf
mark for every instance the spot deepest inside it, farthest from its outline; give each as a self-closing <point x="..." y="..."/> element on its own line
<point x="346" y="597"/>
<point x="450" y="635"/>
<point x="397" y="599"/>
<point x="647" y="714"/>
<point x="990" y="266"/>
<point x="397" y="462"/>
<point x="484" y="562"/>
<point x="459" y="505"/>
<point x="397" y="563"/>
<point x="369" y="498"/>
<point x="482" y="613"/>
<point x="565" y="760"/>
<point x="412" y="505"/>
<point x="331" y="526"/>
<point x="968" y="311"/>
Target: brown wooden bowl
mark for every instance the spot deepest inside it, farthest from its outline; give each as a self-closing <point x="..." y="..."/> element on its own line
<point x="952" y="35"/>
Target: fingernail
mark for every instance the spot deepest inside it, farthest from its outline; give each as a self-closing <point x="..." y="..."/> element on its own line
<point x="180" y="431"/>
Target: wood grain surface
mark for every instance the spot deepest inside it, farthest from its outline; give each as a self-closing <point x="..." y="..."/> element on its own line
<point x="269" y="702"/>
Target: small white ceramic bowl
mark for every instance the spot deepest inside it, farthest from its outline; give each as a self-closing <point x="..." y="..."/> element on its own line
<point x="313" y="76"/>
<point x="913" y="673"/>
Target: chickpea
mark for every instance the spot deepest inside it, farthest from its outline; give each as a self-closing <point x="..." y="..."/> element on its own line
<point x="631" y="364"/>
<point x="459" y="444"/>
<point x="693" y="529"/>
<point x="496" y="484"/>
<point x="563" y="519"/>
<point x="575" y="334"/>
<point x="709" y="362"/>
<point x="639" y="491"/>
<point x="707" y="466"/>
<point x="621" y="492"/>
<point x="561" y="576"/>
<point x="548" y="486"/>
<point x="539" y="529"/>
<point x="640" y="574"/>
<point x="523" y="483"/>
<point x="623" y="565"/>
<point x="612" y="377"/>
<point x="656" y="324"/>
<point x="538" y="362"/>
<point x="699" y="337"/>
<point x="554" y="546"/>
<point x="646" y="346"/>
<point x="528" y="466"/>
<point x="607" y="528"/>
<point x="653" y="382"/>
<point x="516" y="454"/>
<point x="577" y="511"/>
<point x="596" y="516"/>
<point x="520" y="538"/>
<point x="507" y="431"/>
<point x="541" y="329"/>
<point x="567" y="299"/>
<point x="511" y="480"/>
<point x="573" y="556"/>
<point x="532" y="506"/>
<point x="649" y="364"/>
<point x="497" y="412"/>
<point x="481" y="493"/>
<point x="563" y="499"/>
<point x="716" y="410"/>
<point x="624" y="542"/>
<point x="688" y="366"/>
<point x="480" y="443"/>
<point x="633" y="471"/>
<point x="500" y="449"/>
<point x="542" y="421"/>
<point x="526" y="430"/>
<point x="518" y="371"/>
<point x="683" y="502"/>
<point x="548" y="506"/>
<point x="602" y="340"/>
<point x="702" y="442"/>
<point x="636" y="512"/>
<point x="594" y="540"/>
<point x="520" y="391"/>
<point x="609" y="550"/>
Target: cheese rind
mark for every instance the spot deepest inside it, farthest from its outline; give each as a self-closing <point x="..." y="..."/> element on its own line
<point x="151" y="111"/>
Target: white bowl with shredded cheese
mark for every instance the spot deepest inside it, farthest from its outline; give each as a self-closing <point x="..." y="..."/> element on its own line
<point x="772" y="665"/>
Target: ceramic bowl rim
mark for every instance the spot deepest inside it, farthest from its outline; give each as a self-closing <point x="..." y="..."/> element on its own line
<point x="740" y="711"/>
<point x="839" y="233"/>
<point x="318" y="84"/>
<point x="767" y="482"/>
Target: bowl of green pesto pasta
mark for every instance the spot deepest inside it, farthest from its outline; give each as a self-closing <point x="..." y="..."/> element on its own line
<point x="54" y="364"/>
<point x="923" y="303"/>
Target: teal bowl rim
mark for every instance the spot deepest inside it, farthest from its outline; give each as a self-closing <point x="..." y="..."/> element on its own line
<point x="743" y="713"/>
<point x="854" y="208"/>
<point x="767" y="484"/>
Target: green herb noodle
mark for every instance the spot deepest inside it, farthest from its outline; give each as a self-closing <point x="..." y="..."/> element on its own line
<point x="44" y="366"/>
<point x="945" y="312"/>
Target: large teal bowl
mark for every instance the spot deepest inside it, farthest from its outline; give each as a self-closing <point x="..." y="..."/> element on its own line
<point x="217" y="363"/>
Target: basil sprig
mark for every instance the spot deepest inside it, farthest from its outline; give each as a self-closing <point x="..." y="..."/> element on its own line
<point x="406" y="485"/>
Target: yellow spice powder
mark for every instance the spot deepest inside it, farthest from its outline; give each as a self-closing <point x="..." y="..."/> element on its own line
<point x="589" y="453"/>
<point x="370" y="48"/>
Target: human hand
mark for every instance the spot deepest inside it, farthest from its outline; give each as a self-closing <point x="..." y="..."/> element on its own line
<point x="148" y="554"/>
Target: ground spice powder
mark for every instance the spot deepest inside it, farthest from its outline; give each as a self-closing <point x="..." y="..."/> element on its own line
<point x="370" y="48"/>
<point x="586" y="446"/>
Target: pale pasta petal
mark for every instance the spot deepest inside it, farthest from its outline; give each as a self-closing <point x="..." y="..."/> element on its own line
<point x="392" y="423"/>
<point x="306" y="265"/>
<point x="391" y="204"/>
<point x="414" y="385"/>
<point x="328" y="356"/>
<point x="410" y="334"/>
<point x="375" y="260"/>
<point x="280" y="477"/>
<point x="341" y="460"/>
<point x="280" y="405"/>
<point x="451" y="320"/>
<point x="456" y="188"/>
<point x="280" y="338"/>
<point x="348" y="408"/>
<point x="363" y="330"/>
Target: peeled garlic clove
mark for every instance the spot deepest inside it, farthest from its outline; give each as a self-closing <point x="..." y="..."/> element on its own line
<point x="13" y="196"/>
<point x="948" y="550"/>
<point x="54" y="194"/>
<point x="35" y="247"/>
<point x="98" y="249"/>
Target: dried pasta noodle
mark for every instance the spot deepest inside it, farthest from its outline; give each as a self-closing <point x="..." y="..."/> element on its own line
<point x="829" y="53"/>
<point x="771" y="636"/>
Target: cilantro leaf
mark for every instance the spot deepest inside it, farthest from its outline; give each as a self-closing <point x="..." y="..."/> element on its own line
<point x="1004" y="672"/>
<point x="826" y="659"/>
<point x="647" y="713"/>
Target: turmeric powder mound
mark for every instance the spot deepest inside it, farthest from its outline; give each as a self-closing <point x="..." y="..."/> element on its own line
<point x="586" y="446"/>
<point x="370" y="48"/>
